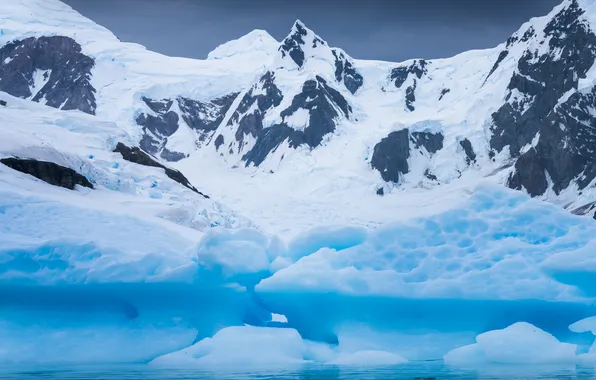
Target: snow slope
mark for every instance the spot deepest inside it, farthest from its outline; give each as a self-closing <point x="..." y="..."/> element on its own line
<point x="372" y="192"/>
<point x="334" y="149"/>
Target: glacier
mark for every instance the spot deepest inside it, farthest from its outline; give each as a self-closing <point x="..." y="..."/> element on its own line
<point x="445" y="285"/>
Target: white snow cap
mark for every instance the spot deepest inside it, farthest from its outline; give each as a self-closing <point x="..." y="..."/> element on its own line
<point x="256" y="42"/>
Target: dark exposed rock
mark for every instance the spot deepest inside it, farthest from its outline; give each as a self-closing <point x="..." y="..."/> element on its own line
<point x="49" y="172"/>
<point x="528" y="34"/>
<point x="319" y="98"/>
<point x="430" y="175"/>
<point x="344" y="70"/>
<point x="219" y="141"/>
<point x="3" y="103"/>
<point x="529" y="174"/>
<point x="292" y="44"/>
<point x="317" y="41"/>
<point x="380" y="191"/>
<point x="432" y="142"/>
<point x="512" y="40"/>
<point x="158" y="106"/>
<point x="469" y="150"/>
<point x="63" y="73"/>
<point x="399" y="75"/>
<point x="390" y="156"/>
<point x="321" y="101"/>
<point x="160" y="127"/>
<point x="164" y="125"/>
<point x="202" y="116"/>
<point x="156" y="129"/>
<point x="268" y="140"/>
<point x="501" y="58"/>
<point x="585" y="209"/>
<point x="252" y="123"/>
<point x="137" y="156"/>
<point x="561" y="137"/>
<point x="444" y="92"/>
<point x="171" y="156"/>
<point x="205" y="116"/>
<point x="411" y="97"/>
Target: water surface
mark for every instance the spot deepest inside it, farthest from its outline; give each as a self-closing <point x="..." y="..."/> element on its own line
<point x="410" y="371"/>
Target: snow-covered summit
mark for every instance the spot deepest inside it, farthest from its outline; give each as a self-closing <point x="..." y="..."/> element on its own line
<point x="258" y="44"/>
<point x="301" y="114"/>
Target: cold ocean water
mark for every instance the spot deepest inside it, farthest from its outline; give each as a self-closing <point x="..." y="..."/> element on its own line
<point x="410" y="371"/>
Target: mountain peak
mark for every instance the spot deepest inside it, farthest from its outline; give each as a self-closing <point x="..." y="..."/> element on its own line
<point x="298" y="25"/>
<point x="300" y="40"/>
<point x="257" y="42"/>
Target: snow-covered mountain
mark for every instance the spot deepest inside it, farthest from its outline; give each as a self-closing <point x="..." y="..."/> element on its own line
<point x="299" y="122"/>
<point x="164" y="209"/>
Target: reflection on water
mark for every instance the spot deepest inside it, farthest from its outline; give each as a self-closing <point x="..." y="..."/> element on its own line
<point x="411" y="371"/>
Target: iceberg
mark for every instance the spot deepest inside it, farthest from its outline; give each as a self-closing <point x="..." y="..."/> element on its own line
<point x="440" y="281"/>
<point x="587" y="325"/>
<point x="463" y="284"/>
<point x="520" y="343"/>
<point x="244" y="346"/>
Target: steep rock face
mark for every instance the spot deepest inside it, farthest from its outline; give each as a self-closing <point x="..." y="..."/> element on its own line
<point x="302" y="43"/>
<point x="345" y="71"/>
<point x="49" y="172"/>
<point x="293" y="44"/>
<point x="205" y="117"/>
<point x="165" y="115"/>
<point x="550" y="136"/>
<point x="324" y="105"/>
<point x="248" y="116"/>
<point x="157" y="127"/>
<point x="469" y="151"/>
<point x="542" y="132"/>
<point x="49" y="70"/>
<point x="400" y="75"/>
<point x="137" y="156"/>
<point x="502" y="55"/>
<point x="391" y="154"/>
<point x="432" y="142"/>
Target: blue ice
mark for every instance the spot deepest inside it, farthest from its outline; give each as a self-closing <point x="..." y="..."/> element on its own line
<point x="109" y="287"/>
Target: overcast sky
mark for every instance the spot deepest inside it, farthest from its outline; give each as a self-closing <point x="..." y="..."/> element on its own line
<point x="393" y="30"/>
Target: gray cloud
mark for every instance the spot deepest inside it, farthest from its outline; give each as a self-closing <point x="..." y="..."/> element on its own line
<point x="373" y="29"/>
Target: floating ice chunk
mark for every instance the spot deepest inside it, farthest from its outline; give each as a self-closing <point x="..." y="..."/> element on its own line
<point x="516" y="344"/>
<point x="368" y="358"/>
<point x="279" y="318"/>
<point x="586" y="325"/>
<point x="470" y="354"/>
<point x="242" y="346"/>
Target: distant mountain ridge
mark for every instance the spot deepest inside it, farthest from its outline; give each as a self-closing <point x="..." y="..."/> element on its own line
<point x="522" y="113"/>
